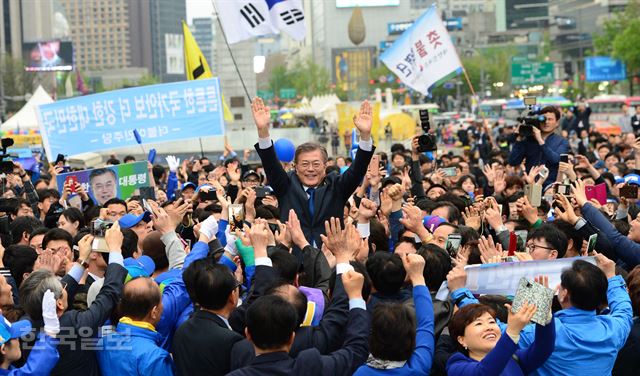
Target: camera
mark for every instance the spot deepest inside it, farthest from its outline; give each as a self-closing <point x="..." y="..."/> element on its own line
<point x="426" y="142"/>
<point x="532" y="118"/>
<point x="6" y="167"/>
<point x="99" y="228"/>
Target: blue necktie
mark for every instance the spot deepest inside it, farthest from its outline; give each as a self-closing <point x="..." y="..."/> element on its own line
<point x="311" y="192"/>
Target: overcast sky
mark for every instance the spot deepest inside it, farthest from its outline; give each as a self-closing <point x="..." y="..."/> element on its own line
<point x="198" y="8"/>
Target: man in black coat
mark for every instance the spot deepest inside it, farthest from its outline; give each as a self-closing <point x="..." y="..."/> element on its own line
<point x="202" y="345"/>
<point x="79" y="329"/>
<point x="308" y="190"/>
<point x="271" y="322"/>
<point x="635" y="121"/>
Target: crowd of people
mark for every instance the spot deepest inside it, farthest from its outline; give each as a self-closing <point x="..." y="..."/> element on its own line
<point x="328" y="265"/>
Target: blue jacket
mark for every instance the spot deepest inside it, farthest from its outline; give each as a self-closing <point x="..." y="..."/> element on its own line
<point x="586" y="344"/>
<point x="175" y="298"/>
<point x="133" y="350"/>
<point x="420" y="361"/>
<point x="500" y="360"/>
<point x="548" y="154"/>
<point x="41" y="360"/>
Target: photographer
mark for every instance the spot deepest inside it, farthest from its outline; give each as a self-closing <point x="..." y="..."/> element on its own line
<point x="543" y="147"/>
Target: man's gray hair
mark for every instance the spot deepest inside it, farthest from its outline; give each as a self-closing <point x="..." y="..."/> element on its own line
<point x="32" y="291"/>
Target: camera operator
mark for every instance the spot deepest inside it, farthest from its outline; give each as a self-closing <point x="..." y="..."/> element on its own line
<point x="542" y="147"/>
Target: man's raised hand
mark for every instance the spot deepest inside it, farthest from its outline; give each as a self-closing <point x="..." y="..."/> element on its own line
<point x="363" y="120"/>
<point x="262" y="117"/>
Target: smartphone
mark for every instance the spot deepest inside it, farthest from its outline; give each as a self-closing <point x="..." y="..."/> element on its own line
<point x="534" y="194"/>
<point x="513" y="244"/>
<point x="262" y="192"/>
<point x="599" y="192"/>
<point x="148" y="193"/>
<point x="564" y="189"/>
<point x="629" y="191"/>
<point x="236" y="218"/>
<point x="591" y="244"/>
<point x="564" y="158"/>
<point x="449" y="171"/>
<point x="59" y="158"/>
<point x="478" y="192"/>
<point x="521" y="240"/>
<point x="66" y="169"/>
<point x="453" y="244"/>
<point x="71" y="182"/>
<point x="536" y="294"/>
<point x="152" y="156"/>
<point x="146" y="206"/>
<point x="209" y="195"/>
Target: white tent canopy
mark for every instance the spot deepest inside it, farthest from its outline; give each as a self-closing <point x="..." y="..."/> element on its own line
<point x="26" y="118"/>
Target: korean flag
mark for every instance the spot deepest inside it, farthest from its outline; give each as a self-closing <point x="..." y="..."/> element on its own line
<point x="288" y="16"/>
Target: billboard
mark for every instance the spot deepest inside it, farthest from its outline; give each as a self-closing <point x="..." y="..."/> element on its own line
<point x="173" y="46"/>
<point x="604" y="68"/>
<point x="53" y="55"/>
<point x="102" y="184"/>
<point x="105" y="121"/>
<point x="351" y="66"/>
<point x="366" y="3"/>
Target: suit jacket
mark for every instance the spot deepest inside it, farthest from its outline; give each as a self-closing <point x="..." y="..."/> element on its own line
<point x="326" y="337"/>
<point x="79" y="329"/>
<point x="329" y="199"/>
<point x="310" y="362"/>
<point x="202" y="345"/>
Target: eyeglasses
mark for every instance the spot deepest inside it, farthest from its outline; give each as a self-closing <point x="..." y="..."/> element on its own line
<point x="530" y="248"/>
<point x="254" y="181"/>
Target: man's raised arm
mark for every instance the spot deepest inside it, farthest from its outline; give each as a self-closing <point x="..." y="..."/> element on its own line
<point x="278" y="179"/>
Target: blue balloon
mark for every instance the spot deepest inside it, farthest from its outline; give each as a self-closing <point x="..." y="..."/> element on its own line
<point x="285" y="150"/>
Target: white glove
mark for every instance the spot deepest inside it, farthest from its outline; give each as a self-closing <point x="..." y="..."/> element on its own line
<point x="49" y="314"/>
<point x="231" y="242"/>
<point x="173" y="163"/>
<point x="209" y="227"/>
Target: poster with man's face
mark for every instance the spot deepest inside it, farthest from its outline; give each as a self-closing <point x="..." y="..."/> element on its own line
<point x="103" y="184"/>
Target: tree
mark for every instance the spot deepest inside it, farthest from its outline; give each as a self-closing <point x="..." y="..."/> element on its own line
<point x="17" y="82"/>
<point x="620" y="39"/>
<point x="307" y="77"/>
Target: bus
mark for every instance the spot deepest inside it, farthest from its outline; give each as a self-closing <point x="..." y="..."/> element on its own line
<point x="492" y="109"/>
<point x="606" y="111"/>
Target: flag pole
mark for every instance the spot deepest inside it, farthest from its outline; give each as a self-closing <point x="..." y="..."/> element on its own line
<point x="233" y="59"/>
<point x="473" y="92"/>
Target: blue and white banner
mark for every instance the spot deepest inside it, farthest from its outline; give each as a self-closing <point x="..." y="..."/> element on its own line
<point x="165" y="112"/>
<point x="424" y="54"/>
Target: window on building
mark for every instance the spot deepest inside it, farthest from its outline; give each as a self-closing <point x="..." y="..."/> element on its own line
<point x="237" y="116"/>
<point x="237" y="101"/>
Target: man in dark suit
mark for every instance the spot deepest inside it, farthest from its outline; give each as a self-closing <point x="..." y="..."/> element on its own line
<point x="308" y="190"/>
<point x="271" y="322"/>
<point x="635" y="121"/>
<point x="79" y="328"/>
<point x="202" y="345"/>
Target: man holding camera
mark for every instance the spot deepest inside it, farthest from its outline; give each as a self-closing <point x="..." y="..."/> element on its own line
<point x="542" y="147"/>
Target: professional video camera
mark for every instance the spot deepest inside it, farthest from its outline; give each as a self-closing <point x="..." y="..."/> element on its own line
<point x="6" y="167"/>
<point x="531" y="119"/>
<point x="426" y="142"/>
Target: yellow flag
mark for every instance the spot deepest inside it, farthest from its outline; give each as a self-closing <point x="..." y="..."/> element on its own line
<point x="197" y="67"/>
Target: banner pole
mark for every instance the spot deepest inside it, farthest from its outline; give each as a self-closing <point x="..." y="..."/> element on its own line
<point x="233" y="59"/>
<point x="201" y="149"/>
<point x="473" y="92"/>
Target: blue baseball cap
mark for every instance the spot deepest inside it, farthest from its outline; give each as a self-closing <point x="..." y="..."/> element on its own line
<point x="130" y="220"/>
<point x="143" y="266"/>
<point x="188" y="185"/>
<point x="211" y="188"/>
<point x="632" y="179"/>
<point x="432" y="220"/>
<point x="9" y="331"/>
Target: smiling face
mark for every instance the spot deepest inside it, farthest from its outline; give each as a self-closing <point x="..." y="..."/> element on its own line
<point x="634" y="230"/>
<point x="310" y="168"/>
<point x="104" y="187"/>
<point x="481" y="335"/>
